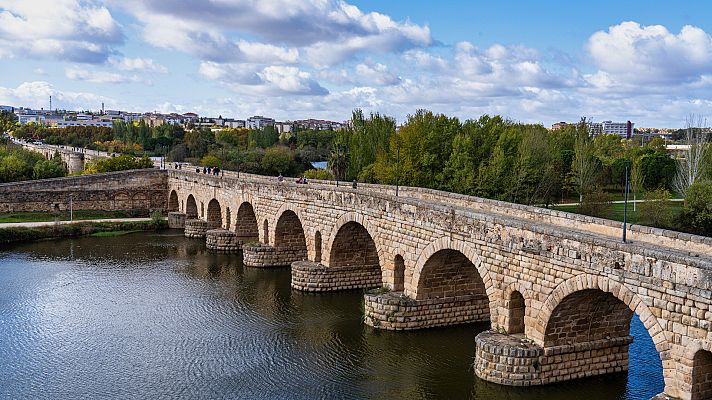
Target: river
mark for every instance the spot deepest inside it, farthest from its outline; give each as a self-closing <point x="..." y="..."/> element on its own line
<point x="155" y="315"/>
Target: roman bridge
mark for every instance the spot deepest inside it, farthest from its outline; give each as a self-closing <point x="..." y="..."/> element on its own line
<point x="559" y="289"/>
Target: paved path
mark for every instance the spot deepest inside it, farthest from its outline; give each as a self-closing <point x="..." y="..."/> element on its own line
<point x="51" y="223"/>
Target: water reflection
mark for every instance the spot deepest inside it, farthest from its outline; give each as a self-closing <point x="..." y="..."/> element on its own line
<point x="155" y="315"/>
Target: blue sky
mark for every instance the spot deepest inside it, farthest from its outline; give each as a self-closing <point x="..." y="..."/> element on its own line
<point x="647" y="61"/>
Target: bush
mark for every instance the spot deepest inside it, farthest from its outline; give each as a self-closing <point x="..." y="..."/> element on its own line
<point x="696" y="216"/>
<point x="321" y="174"/>
<point x="656" y="210"/>
<point x="595" y="204"/>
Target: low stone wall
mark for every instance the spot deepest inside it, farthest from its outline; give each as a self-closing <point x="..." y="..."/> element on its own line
<point x="314" y="277"/>
<point x="510" y="360"/>
<point x="222" y="240"/>
<point x="195" y="228"/>
<point x="176" y="220"/>
<point x="392" y="311"/>
<point x="264" y="256"/>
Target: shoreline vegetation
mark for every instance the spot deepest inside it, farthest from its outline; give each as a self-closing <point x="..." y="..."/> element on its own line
<point x="84" y="228"/>
<point x="78" y="215"/>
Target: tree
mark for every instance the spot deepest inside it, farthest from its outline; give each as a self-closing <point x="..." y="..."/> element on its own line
<point x="691" y="166"/>
<point x="697" y="213"/>
<point x="120" y="163"/>
<point x="658" y="170"/>
<point x="585" y="164"/>
<point x="277" y="159"/>
<point x="8" y="121"/>
<point x="44" y="169"/>
<point x="637" y="180"/>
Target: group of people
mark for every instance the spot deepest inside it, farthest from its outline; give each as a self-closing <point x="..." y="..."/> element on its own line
<point x="215" y="171"/>
<point x="302" y="179"/>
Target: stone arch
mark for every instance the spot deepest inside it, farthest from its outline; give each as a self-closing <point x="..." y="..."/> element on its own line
<point x="140" y="200"/>
<point x="398" y="273"/>
<point x="701" y="375"/>
<point x="516" y="312"/>
<point x="445" y="243"/>
<point x="122" y="201"/>
<point x="359" y="219"/>
<point x="317" y="247"/>
<point x="614" y="296"/>
<point x="272" y="225"/>
<point x="173" y="201"/>
<point x="191" y="208"/>
<point x="354" y="246"/>
<point x="214" y="215"/>
<point x="246" y="223"/>
<point x="289" y="236"/>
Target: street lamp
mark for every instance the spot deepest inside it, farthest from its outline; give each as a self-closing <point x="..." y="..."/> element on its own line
<point x="625" y="201"/>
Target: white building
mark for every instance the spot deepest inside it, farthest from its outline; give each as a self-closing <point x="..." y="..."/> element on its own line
<point x="624" y="129"/>
<point x="259" y="122"/>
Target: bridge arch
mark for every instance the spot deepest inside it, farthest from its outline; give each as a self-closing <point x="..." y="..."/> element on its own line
<point x="602" y="300"/>
<point x="288" y="235"/>
<point x="467" y="250"/>
<point x="353" y="246"/>
<point x="246" y="226"/>
<point x="191" y="208"/>
<point x="344" y="219"/>
<point x="214" y="215"/>
<point x="173" y="201"/>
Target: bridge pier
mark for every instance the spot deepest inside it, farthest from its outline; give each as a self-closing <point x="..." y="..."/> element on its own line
<point x="513" y="361"/>
<point x="309" y="276"/>
<point x="394" y="311"/>
<point x="222" y="240"/>
<point x="260" y="255"/>
<point x="195" y="228"/>
<point x="176" y="220"/>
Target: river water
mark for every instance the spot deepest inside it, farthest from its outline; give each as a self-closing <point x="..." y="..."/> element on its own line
<point x="155" y="315"/>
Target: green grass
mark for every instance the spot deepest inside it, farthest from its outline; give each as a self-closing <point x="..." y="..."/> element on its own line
<point x="615" y="211"/>
<point x="79" y="215"/>
<point x="86" y="228"/>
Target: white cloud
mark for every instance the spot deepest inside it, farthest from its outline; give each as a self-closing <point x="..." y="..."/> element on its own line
<point x="271" y="80"/>
<point x="36" y="94"/>
<point x="83" y="74"/>
<point x="62" y="29"/>
<point x="328" y="31"/>
<point x="631" y="53"/>
<point x="138" y="64"/>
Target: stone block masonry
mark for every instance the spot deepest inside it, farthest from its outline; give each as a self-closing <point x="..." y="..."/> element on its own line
<point x="222" y="240"/>
<point x="259" y="255"/>
<point x="176" y="220"/>
<point x="309" y="276"/>
<point x="195" y="228"/>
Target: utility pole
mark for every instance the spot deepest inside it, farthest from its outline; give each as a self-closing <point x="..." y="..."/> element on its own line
<point x="625" y="202"/>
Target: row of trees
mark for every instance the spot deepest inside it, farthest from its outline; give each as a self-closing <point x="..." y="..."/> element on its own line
<point x="17" y="164"/>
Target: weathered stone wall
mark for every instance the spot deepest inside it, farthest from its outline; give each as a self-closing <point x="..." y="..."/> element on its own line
<point x="393" y="311"/>
<point x="664" y="277"/>
<point x="222" y="240"/>
<point x="143" y="190"/>
<point x="195" y="228"/>
<point x="449" y="274"/>
<point x="176" y="220"/>
<point x="264" y="256"/>
<point x="314" y="277"/>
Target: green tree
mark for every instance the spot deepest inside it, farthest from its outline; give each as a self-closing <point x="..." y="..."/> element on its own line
<point x="277" y="160"/>
<point x="656" y="210"/>
<point x="119" y="163"/>
<point x="8" y="121"/>
<point x="696" y="215"/>
<point x="44" y="169"/>
<point x="585" y="164"/>
<point x="13" y="168"/>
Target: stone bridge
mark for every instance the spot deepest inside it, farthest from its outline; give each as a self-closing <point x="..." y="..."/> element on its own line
<point x="74" y="158"/>
<point x="559" y="289"/>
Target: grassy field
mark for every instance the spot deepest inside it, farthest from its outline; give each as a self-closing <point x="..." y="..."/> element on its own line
<point x="615" y="211"/>
<point x="79" y="215"/>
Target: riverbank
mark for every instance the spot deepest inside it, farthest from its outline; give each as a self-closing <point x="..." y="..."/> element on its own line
<point x="30" y="231"/>
<point x="83" y="215"/>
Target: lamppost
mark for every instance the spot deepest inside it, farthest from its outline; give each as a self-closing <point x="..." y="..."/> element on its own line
<point x="625" y="201"/>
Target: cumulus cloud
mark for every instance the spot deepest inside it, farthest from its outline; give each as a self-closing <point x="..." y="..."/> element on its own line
<point x="35" y="95"/>
<point x="329" y="31"/>
<point x="138" y="64"/>
<point x="271" y="80"/>
<point x="92" y="76"/>
<point x="631" y="53"/>
<point x="63" y="29"/>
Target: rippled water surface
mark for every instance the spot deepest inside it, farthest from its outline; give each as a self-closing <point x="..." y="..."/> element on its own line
<point x="154" y="315"/>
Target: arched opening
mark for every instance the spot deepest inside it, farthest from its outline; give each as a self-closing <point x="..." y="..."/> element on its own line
<point x="214" y="215"/>
<point x="265" y="230"/>
<point x="517" y="311"/>
<point x="586" y="316"/>
<point x="603" y="335"/>
<point x="140" y="201"/>
<point x="354" y="246"/>
<point x="289" y="236"/>
<point x="246" y="223"/>
<point x="449" y="273"/>
<point x="122" y="201"/>
<point x="317" y="247"/>
<point x="191" y="208"/>
<point x="173" y="201"/>
<point x="702" y="375"/>
<point x="398" y="273"/>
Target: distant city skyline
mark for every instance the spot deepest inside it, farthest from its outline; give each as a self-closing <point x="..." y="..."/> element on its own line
<point x="645" y="61"/>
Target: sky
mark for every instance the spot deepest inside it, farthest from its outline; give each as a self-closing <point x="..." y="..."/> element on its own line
<point x="531" y="61"/>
